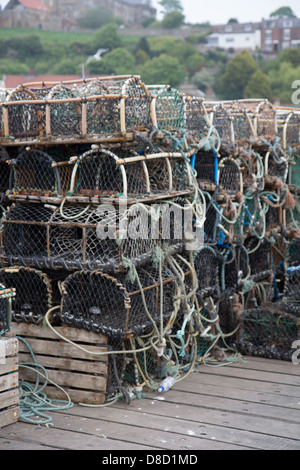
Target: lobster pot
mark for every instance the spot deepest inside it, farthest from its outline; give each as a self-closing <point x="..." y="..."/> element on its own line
<point x="196" y="120"/>
<point x="6" y="297"/>
<point x="232" y="221"/>
<point x="169" y="105"/>
<point x="35" y="173"/>
<point x="276" y="164"/>
<point x="243" y="129"/>
<point x="100" y="173"/>
<point x="234" y="267"/>
<point x="268" y="331"/>
<point x="71" y="237"/>
<point x="75" y="111"/>
<point x="265" y="120"/>
<point x="206" y="166"/>
<point x="288" y="129"/>
<point x="36" y="292"/>
<point x="223" y="124"/>
<point x="117" y="307"/>
<point x="23" y="115"/>
<point x="230" y="175"/>
<point x="113" y="113"/>
<point x="260" y="262"/>
<point x="206" y="265"/>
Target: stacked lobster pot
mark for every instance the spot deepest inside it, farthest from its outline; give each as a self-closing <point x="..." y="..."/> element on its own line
<point x="98" y="228"/>
<point x="164" y="222"/>
<point x="246" y="166"/>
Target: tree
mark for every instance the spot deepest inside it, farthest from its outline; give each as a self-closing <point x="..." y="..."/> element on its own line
<point x="237" y="75"/>
<point x="281" y="82"/>
<point x="164" y="70"/>
<point x="107" y="37"/>
<point x="171" y="5"/>
<point x="283" y="11"/>
<point x="259" y="86"/>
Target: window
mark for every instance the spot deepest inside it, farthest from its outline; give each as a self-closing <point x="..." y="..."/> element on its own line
<point x="285" y="45"/>
<point x="228" y="28"/>
<point x="287" y="23"/>
<point x="248" y="27"/>
<point x="229" y="39"/>
<point x="286" y="34"/>
<point x="268" y="35"/>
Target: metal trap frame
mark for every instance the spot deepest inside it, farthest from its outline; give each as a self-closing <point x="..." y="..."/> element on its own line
<point x="68" y="111"/>
<point x="288" y="128"/>
<point x="122" y="307"/>
<point x="123" y="173"/>
<point x="78" y="237"/>
<point x="36" y="292"/>
<point x="35" y="175"/>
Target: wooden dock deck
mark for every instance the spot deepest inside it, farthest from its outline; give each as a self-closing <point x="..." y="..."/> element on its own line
<point x="240" y="406"/>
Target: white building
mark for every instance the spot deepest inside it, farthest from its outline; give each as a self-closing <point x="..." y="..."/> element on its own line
<point x="236" y="36"/>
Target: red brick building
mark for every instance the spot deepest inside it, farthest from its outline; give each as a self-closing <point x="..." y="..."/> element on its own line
<point x="280" y="33"/>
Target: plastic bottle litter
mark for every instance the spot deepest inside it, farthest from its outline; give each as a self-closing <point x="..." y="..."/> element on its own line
<point x="166" y="384"/>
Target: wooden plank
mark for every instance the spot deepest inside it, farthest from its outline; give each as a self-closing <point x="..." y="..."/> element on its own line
<point x="90" y="367"/>
<point x="264" y="376"/>
<point x="70" y="379"/>
<point x="62" y="349"/>
<point x="11" y="365"/>
<point x="139" y="433"/>
<point x="72" y="334"/>
<point x="10" y="398"/>
<point x="66" y="439"/>
<point x="9" y="416"/>
<point x="256" y="396"/>
<point x="132" y="415"/>
<point x="245" y="384"/>
<point x="65" y="364"/>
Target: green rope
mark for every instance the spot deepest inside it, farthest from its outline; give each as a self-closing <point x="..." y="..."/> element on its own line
<point x="33" y="401"/>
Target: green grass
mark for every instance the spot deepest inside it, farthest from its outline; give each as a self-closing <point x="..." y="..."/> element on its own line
<point x="47" y="36"/>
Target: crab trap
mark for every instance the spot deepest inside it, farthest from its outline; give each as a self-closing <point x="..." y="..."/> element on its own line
<point x="206" y="166"/>
<point x="122" y="307"/>
<point x="36" y="291"/>
<point x="230" y="175"/>
<point x="56" y="112"/>
<point x="169" y="108"/>
<point x="206" y="265"/>
<point x="37" y="176"/>
<point x="78" y="237"/>
<point x="220" y="119"/>
<point x="7" y="295"/>
<point x="197" y="128"/>
<point x="268" y="331"/>
<point x="243" y="130"/>
<point x="288" y="128"/>
<point x="123" y="173"/>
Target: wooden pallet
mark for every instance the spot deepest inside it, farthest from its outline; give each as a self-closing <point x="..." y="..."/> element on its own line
<point x="9" y="381"/>
<point x="81" y="375"/>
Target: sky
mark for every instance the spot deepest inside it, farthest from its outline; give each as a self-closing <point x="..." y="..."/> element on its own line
<point x="220" y="11"/>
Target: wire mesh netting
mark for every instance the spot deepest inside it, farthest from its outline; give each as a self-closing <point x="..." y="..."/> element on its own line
<point x="36" y="292"/>
<point x="72" y="109"/>
<point x="6" y="297"/>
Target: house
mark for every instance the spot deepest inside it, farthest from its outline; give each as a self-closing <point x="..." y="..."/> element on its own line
<point x="24" y="14"/>
<point x="280" y="33"/>
<point x="63" y="15"/>
<point x="238" y="36"/>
